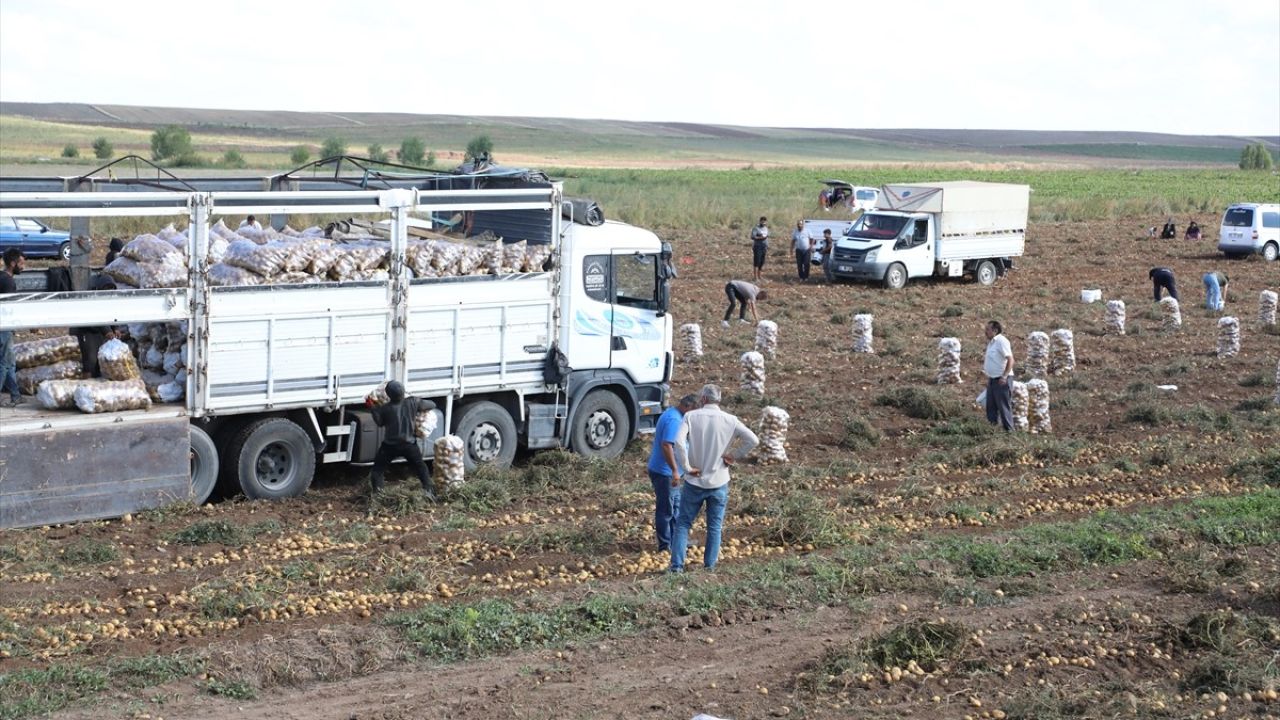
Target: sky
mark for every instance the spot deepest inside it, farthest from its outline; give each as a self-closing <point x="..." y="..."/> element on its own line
<point x="1177" y="66"/>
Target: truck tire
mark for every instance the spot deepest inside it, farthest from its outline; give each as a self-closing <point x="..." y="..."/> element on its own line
<point x="273" y="459"/>
<point x="204" y="466"/>
<point x="895" y="278"/>
<point x="601" y="426"/>
<point x="488" y="435"/>
<point x="985" y="273"/>
<point x="1270" y="252"/>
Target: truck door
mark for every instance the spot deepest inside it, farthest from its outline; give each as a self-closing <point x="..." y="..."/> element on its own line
<point x="593" y="318"/>
<point x="915" y="247"/>
<point x="637" y="337"/>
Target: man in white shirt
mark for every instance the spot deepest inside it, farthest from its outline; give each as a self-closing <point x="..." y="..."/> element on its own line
<point x="998" y="367"/>
<point x="709" y="432"/>
<point x="803" y="245"/>
<point x="250" y="223"/>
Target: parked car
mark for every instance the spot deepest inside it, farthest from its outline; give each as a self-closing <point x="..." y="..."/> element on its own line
<point x="34" y="238"/>
<point x="1249" y="228"/>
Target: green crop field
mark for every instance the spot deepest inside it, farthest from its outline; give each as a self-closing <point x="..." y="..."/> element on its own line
<point x="1138" y="151"/>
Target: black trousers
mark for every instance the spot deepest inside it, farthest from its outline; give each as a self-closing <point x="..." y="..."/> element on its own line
<point x="1163" y="280"/>
<point x="734" y="298"/>
<point x="391" y="451"/>
<point x="999" y="403"/>
<point x="804" y="259"/>
<point x="759" y="251"/>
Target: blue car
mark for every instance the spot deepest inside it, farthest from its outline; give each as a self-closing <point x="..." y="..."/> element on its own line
<point x="34" y="238"/>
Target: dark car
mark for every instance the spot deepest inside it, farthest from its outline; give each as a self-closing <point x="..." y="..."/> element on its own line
<point x="33" y="238"/>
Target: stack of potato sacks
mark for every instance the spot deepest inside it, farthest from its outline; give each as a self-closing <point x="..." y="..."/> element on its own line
<point x="774" y="422"/>
<point x="120" y="387"/>
<point x="1038" y="399"/>
<point x="448" y="469"/>
<point x="54" y="358"/>
<point x="1062" y="355"/>
<point x="948" y="360"/>
<point x="270" y="257"/>
<point x="1018" y="403"/>
<point x="162" y="352"/>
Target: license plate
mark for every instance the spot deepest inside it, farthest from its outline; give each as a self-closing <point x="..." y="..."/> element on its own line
<point x="844" y="268"/>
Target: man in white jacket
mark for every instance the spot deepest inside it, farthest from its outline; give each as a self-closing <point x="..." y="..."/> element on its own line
<point x="708" y="433"/>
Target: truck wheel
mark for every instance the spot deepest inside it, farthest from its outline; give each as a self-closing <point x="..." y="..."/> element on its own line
<point x="204" y="466"/>
<point x="601" y="426"/>
<point x="895" y="278"/>
<point x="1270" y="252"/>
<point x="488" y="435"/>
<point x="985" y="273"/>
<point x="274" y="459"/>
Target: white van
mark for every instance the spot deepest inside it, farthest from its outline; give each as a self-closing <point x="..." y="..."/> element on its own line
<point x="1249" y="228"/>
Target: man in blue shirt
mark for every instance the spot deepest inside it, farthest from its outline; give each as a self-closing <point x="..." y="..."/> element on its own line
<point x="662" y="469"/>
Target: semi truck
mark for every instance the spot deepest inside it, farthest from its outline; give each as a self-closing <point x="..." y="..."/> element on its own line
<point x="577" y="354"/>
<point x="942" y="229"/>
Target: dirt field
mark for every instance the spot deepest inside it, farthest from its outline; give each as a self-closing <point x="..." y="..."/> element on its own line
<point x="906" y="562"/>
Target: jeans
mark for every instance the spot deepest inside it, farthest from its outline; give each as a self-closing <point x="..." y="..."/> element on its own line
<point x="1212" y="293"/>
<point x="691" y="499"/>
<point x="803" y="261"/>
<point x="734" y="299"/>
<point x="8" y="365"/>
<point x="666" y="501"/>
<point x="999" y="403"/>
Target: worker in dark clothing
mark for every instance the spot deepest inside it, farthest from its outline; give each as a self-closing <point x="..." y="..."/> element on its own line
<point x="113" y="250"/>
<point x="396" y="420"/>
<point x="1162" y="279"/>
<point x="93" y="338"/>
<point x="1169" y="231"/>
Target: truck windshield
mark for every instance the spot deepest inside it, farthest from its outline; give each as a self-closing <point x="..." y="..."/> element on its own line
<point x="876" y="227"/>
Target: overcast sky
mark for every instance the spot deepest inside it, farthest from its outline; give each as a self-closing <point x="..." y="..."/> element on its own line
<point x="1180" y="66"/>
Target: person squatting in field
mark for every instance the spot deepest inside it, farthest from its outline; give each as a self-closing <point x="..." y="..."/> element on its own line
<point x="745" y="294"/>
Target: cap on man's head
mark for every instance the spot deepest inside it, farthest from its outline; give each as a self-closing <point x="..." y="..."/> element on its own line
<point x="395" y="391"/>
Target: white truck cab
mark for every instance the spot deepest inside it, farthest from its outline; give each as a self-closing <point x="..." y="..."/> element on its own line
<point x="1249" y="228"/>
<point x="946" y="229"/>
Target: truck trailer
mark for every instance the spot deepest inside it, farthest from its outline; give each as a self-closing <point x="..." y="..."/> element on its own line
<point x="575" y="354"/>
<point x="943" y="229"/>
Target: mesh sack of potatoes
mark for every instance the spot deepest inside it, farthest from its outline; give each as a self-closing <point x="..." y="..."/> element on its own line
<point x="148" y="249"/>
<point x="59" y="394"/>
<point x="224" y="275"/>
<point x="372" y="255"/>
<point x="153" y="358"/>
<point x="493" y="256"/>
<point x="217" y="249"/>
<point x="1038" y="406"/>
<point x="535" y="256"/>
<point x="513" y="257"/>
<point x="1037" y="362"/>
<point x="948" y="361"/>
<point x="448" y="469"/>
<point x="1018" y="403"/>
<point x="252" y="234"/>
<point x="173" y="361"/>
<point x="1062" y="352"/>
<point x="159" y="335"/>
<point x="424" y="423"/>
<point x="1228" y="337"/>
<point x="170" y="392"/>
<point x="112" y="396"/>
<point x="323" y="257"/>
<point x="345" y="264"/>
<point x="116" y="362"/>
<point x="295" y="278"/>
<point x="1170" y="313"/>
<point x="1114" y="318"/>
<point x="767" y="339"/>
<point x="446" y="256"/>
<point x="753" y="373"/>
<point x="46" y="351"/>
<point x="265" y="260"/>
<point x="176" y="332"/>
<point x="171" y="272"/>
<point x="418" y="257"/>
<point x="378" y="395"/>
<point x="29" y="379"/>
<point x="379" y="274"/>
<point x="221" y="230"/>
<point x="299" y="252"/>
<point x="862" y="339"/>
<point x="152" y="380"/>
<point x="1267" y="308"/>
<point x="169" y="234"/>
<point x="774" y="422"/>
<point x="690" y="342"/>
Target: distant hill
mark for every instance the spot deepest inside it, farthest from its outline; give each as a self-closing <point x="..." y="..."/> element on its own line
<point x="34" y="131"/>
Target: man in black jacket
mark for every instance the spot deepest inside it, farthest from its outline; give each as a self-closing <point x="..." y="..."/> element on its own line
<point x="396" y="420"/>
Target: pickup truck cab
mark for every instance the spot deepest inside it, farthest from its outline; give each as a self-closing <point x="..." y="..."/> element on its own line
<point x="33" y="238"/>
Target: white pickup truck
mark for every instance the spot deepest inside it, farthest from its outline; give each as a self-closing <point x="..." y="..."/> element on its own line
<point x="943" y="229"/>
